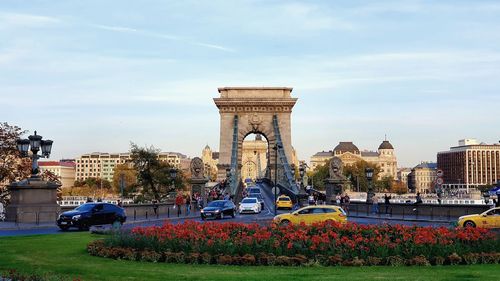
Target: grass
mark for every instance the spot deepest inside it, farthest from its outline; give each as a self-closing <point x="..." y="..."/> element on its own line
<point x="64" y="255"/>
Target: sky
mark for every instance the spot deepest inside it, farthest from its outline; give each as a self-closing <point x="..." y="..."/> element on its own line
<point x="96" y="75"/>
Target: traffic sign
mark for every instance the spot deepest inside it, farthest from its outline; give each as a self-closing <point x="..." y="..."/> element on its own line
<point x="439" y="173"/>
<point x="440" y="181"/>
<point x="276" y="190"/>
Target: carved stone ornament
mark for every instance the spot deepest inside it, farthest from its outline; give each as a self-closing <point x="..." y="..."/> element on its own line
<point x="336" y="168"/>
<point x="255" y="120"/>
<point x="197" y="168"/>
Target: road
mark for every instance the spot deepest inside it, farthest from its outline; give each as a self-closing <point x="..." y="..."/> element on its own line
<point x="263" y="218"/>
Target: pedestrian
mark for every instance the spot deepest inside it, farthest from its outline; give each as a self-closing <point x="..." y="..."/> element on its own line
<point x="418" y="201"/>
<point x="119" y="203"/>
<point x="155" y="207"/>
<point x="179" y="201"/>
<point x="311" y="200"/>
<point x="89" y="199"/>
<point x="387" y="202"/>
<point x="375" y="204"/>
<point x="188" y="205"/>
<point x="2" y="212"/>
<point x="337" y="200"/>
<point x="347" y="202"/>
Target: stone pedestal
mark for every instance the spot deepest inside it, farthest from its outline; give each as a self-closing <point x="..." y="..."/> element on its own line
<point x="33" y="201"/>
<point x="333" y="188"/>
<point x="198" y="185"/>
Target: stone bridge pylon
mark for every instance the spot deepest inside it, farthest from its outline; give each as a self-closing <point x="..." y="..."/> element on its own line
<point x="260" y="110"/>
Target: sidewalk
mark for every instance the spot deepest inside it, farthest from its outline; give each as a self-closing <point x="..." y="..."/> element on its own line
<point x="130" y="220"/>
<point x="412" y="217"/>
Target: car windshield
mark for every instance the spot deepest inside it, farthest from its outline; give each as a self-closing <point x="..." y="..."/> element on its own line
<point x="85" y="207"/>
<point x="284" y="199"/>
<point x="258" y="196"/>
<point x="216" y="204"/>
<point x="249" y="200"/>
<point x="254" y="190"/>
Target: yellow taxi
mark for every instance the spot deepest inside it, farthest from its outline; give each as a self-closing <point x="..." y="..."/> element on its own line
<point x="488" y="219"/>
<point x="284" y="202"/>
<point x="312" y="214"/>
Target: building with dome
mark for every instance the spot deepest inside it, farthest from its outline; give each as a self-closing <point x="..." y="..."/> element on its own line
<point x="348" y="152"/>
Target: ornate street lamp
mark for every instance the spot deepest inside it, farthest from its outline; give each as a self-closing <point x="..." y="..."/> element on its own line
<point x="34" y="142"/>
<point x="369" y="194"/>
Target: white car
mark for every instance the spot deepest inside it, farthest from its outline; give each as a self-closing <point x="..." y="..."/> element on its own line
<point x="249" y="205"/>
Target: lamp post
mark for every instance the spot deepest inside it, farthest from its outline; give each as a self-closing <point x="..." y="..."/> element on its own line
<point x="228" y="177"/>
<point x="173" y="176"/>
<point x="36" y="143"/>
<point x="275" y="148"/>
<point x="369" y="193"/>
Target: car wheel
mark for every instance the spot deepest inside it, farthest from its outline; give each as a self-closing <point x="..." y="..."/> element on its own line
<point x="64" y="227"/>
<point x="284" y="222"/>
<point x="469" y="224"/>
<point x="202" y="218"/>
<point x="233" y="215"/>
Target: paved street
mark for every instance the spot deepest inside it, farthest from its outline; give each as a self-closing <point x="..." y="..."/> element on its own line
<point x="9" y="229"/>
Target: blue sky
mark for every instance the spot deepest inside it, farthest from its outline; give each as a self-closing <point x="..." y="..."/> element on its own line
<point x="94" y="75"/>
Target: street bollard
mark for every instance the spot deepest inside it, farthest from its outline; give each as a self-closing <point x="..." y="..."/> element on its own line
<point x="146" y="214"/>
<point x="404" y="212"/>
<point x="432" y="213"/>
<point x="135" y="214"/>
<point x="168" y="211"/>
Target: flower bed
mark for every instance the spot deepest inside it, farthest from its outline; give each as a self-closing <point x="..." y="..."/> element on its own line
<point x="327" y="244"/>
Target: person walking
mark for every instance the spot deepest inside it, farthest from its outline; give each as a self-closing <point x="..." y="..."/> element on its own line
<point x="179" y="201"/>
<point x="375" y="204"/>
<point x="418" y="201"/>
<point x="155" y="207"/>
<point x="387" y="202"/>
<point x="347" y="201"/>
<point x="2" y="212"/>
<point x="188" y="205"/>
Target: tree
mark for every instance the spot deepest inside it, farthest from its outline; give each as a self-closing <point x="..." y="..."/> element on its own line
<point x="356" y="173"/>
<point x="385" y="184"/>
<point x="319" y="175"/>
<point x="129" y="177"/>
<point x="399" y="187"/>
<point x="153" y="176"/>
<point x="12" y="166"/>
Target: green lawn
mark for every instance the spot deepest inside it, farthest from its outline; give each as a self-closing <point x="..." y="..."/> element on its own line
<point x="64" y="255"/>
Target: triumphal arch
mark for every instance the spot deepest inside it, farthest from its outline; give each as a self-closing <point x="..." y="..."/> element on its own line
<point x="260" y="110"/>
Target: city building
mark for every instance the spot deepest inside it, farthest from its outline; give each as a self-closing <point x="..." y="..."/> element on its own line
<point x="254" y="159"/>
<point x="64" y="170"/>
<point x="403" y="174"/>
<point x="102" y="165"/>
<point x="422" y="178"/>
<point x="210" y="160"/>
<point x="470" y="164"/>
<point x="349" y="153"/>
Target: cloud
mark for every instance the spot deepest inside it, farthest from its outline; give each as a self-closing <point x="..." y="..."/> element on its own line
<point x="16" y="19"/>
<point x="161" y="36"/>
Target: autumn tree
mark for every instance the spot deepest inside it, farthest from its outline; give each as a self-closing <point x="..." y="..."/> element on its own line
<point x="153" y="176"/>
<point x="356" y="174"/>
<point x="12" y="166"/>
<point x="399" y="187"/>
<point x="129" y="178"/>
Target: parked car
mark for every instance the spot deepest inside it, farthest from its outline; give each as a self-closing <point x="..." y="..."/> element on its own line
<point x="259" y="197"/>
<point x="218" y="209"/>
<point x="312" y="214"/>
<point x="249" y="205"/>
<point x="284" y="202"/>
<point x="89" y="214"/>
<point x="488" y="219"/>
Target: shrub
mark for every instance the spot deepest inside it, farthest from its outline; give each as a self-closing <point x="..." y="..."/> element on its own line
<point x="438" y="260"/>
<point x="471" y="258"/>
<point x="395" y="261"/>
<point x="454" y="259"/>
<point x="373" y="261"/>
<point x="150" y="256"/>
<point x="419" y="260"/>
<point x="224" y="260"/>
